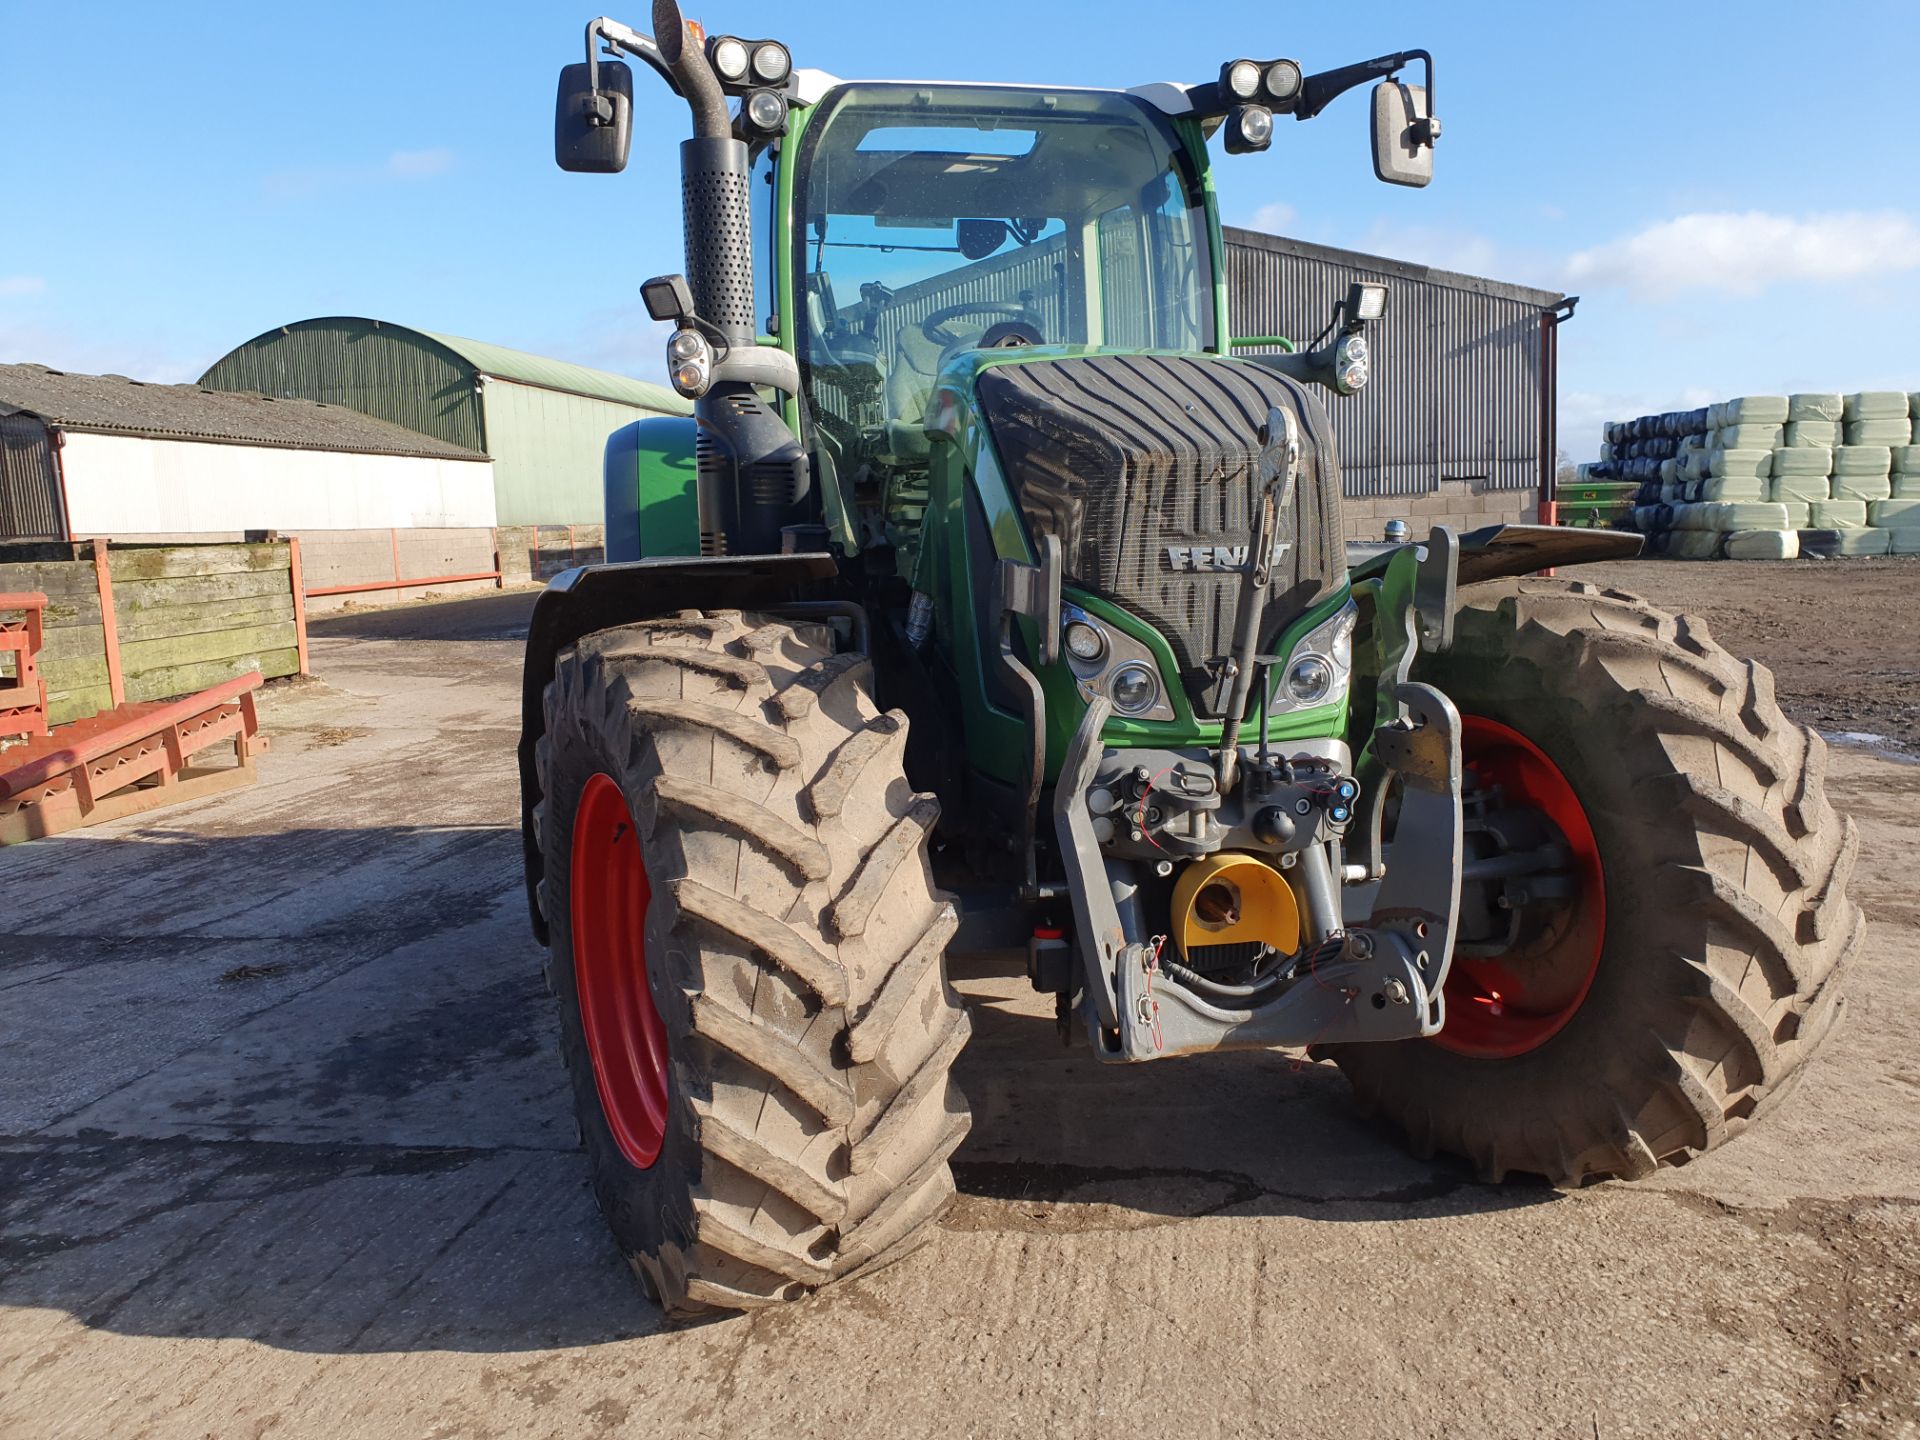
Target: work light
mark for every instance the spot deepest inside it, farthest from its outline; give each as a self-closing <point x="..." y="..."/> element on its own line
<point x="729" y="59"/>
<point x="771" y="62"/>
<point x="1366" y="301"/>
<point x="1249" y="129"/>
<point x="1283" y="79"/>
<point x="765" y="111"/>
<point x="1240" y="79"/>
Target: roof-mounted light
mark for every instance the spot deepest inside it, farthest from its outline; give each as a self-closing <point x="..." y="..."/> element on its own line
<point x="1240" y="79"/>
<point x="729" y="59"/>
<point x="771" y="62"/>
<point x="1282" y="80"/>
<point x="1249" y="129"/>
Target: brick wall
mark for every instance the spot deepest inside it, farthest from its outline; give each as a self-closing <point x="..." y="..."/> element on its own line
<point x="534" y="554"/>
<point x="1461" y="504"/>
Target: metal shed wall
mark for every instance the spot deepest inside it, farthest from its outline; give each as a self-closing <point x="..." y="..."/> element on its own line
<point x="547" y="448"/>
<point x="1456" y="393"/>
<point x="386" y="371"/>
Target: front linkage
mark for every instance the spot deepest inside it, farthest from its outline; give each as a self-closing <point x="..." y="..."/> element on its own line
<point x="1117" y="816"/>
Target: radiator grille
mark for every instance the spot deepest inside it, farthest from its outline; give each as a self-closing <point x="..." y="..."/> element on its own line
<point x="1125" y="456"/>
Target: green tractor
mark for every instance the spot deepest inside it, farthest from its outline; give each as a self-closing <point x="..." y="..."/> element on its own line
<point x="989" y="599"/>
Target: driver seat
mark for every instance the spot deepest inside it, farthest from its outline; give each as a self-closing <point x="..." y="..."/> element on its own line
<point x="910" y="381"/>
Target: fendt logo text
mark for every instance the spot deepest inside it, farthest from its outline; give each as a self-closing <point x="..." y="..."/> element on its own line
<point x="1216" y="558"/>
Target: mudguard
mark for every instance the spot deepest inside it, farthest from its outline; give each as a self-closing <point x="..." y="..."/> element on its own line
<point x="596" y="597"/>
<point x="1496" y="551"/>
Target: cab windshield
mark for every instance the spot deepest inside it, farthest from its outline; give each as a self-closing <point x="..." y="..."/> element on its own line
<point x="935" y="219"/>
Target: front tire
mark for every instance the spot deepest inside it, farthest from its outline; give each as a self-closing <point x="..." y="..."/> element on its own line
<point x="1726" y="919"/>
<point x="761" y="1080"/>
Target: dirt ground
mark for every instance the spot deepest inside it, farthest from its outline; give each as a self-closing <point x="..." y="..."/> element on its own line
<point x="1842" y="637"/>
<point x="285" y="1150"/>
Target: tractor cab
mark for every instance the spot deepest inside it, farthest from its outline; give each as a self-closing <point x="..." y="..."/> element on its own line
<point x="930" y="220"/>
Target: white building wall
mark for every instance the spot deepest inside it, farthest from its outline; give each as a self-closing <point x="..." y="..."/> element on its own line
<point x="129" y="485"/>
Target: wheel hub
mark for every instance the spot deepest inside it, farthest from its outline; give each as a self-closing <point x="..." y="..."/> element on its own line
<point x="1519" y="975"/>
<point x="624" y="1035"/>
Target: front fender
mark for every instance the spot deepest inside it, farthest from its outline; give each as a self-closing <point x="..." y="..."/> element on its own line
<point x="597" y="597"/>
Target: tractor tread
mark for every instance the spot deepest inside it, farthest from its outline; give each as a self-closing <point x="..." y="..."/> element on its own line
<point x="753" y="822"/>
<point x="798" y="700"/>
<point x="855" y="907"/>
<point x="778" y="747"/>
<point x="887" y="1126"/>
<point x="793" y="1037"/>
<point x="829" y="791"/>
<point x="780" y="943"/>
<point x="1735" y="933"/>
<point x="792" y="1179"/>
<point x="875" y="1027"/>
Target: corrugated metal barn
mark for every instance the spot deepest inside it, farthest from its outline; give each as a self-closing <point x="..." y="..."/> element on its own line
<point x="544" y="422"/>
<point x="1457" y="424"/>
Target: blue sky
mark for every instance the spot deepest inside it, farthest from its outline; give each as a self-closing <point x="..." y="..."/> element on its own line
<point x="1733" y="189"/>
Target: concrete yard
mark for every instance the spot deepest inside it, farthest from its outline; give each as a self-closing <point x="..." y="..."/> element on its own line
<point x="285" y="1149"/>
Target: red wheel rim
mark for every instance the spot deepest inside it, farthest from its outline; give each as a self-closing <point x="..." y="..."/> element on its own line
<point x="1505" y="1005"/>
<point x="625" y="1038"/>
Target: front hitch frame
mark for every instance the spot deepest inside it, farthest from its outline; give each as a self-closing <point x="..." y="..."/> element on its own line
<point x="1379" y="981"/>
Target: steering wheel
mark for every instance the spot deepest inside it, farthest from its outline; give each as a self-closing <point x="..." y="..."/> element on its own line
<point x="934" y="326"/>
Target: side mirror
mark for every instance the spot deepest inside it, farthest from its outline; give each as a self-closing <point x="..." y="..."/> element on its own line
<point x="592" y="130"/>
<point x="1403" y="134"/>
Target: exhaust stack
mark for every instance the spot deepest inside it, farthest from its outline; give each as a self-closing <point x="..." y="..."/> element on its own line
<point x="716" y="205"/>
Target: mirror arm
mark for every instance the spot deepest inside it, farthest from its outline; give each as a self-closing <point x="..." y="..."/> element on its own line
<point x="1321" y="90"/>
<point x="621" y="37"/>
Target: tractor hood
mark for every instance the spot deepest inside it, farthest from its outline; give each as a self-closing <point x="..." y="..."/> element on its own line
<point x="1144" y="466"/>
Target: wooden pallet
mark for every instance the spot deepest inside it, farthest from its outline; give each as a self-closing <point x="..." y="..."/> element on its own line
<point x="128" y="759"/>
<point x="23" y="694"/>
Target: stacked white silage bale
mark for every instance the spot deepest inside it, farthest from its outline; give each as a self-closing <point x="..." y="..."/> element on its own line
<point x="1803" y="475"/>
<point x="1878" y="424"/>
<point x="1775" y="476"/>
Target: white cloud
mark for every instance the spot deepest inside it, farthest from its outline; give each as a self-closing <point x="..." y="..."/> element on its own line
<point x="419" y="164"/>
<point x="17" y="286"/>
<point x="1273" y="218"/>
<point x="1744" y="253"/>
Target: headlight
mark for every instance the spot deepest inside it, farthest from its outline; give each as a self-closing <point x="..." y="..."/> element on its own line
<point x="1242" y="79"/>
<point x="690" y="363"/>
<point x="1283" y="79"/>
<point x="1309" y="680"/>
<point x="1134" y="688"/>
<point x="1352" y="364"/>
<point x="1319" y="666"/>
<point x="766" y="111"/>
<point x="771" y="63"/>
<point x="729" y="58"/>
<point x="1084" y="642"/>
